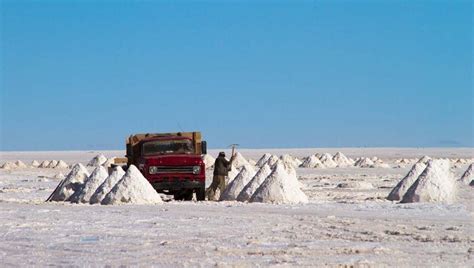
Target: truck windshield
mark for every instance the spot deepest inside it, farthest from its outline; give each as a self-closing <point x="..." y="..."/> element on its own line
<point x="168" y="147"/>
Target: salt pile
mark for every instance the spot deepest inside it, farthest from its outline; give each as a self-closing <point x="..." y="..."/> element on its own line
<point x="263" y="160"/>
<point x="107" y="185"/>
<point x="109" y="162"/>
<point x="91" y="184"/>
<point x="272" y="160"/>
<point x="468" y="175"/>
<point x="364" y="162"/>
<point x="254" y="183"/>
<point x="208" y="160"/>
<point x="61" y="164"/>
<point x="44" y="164"/>
<point x="73" y="182"/>
<point x="231" y="175"/>
<point x="235" y="187"/>
<point x="52" y="164"/>
<point x="35" y="163"/>
<point x="239" y="160"/>
<point x="20" y="164"/>
<point x="279" y="187"/>
<point x="8" y="165"/>
<point x="59" y="176"/>
<point x="290" y="160"/>
<point x="251" y="162"/>
<point x="327" y="161"/>
<point x="312" y="162"/>
<point x="402" y="187"/>
<point x="132" y="188"/>
<point x="341" y="160"/>
<point x="435" y="184"/>
<point x="98" y="160"/>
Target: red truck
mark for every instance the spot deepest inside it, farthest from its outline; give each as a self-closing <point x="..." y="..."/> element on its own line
<point x="171" y="162"/>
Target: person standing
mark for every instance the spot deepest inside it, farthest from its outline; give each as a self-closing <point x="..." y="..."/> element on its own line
<point x="221" y="169"/>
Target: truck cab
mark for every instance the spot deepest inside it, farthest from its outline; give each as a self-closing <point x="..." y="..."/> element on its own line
<point x="171" y="162"/>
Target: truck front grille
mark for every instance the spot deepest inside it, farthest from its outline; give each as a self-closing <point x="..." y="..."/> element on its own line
<point x="172" y="169"/>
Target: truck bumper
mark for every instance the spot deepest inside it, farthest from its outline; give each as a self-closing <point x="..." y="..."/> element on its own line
<point x="177" y="185"/>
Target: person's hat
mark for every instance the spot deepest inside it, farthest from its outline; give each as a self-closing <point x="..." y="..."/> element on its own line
<point x="222" y="154"/>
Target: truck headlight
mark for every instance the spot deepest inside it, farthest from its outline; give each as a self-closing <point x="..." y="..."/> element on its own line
<point x="196" y="170"/>
<point x="153" y="170"/>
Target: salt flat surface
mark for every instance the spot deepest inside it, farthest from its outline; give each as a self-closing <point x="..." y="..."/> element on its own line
<point x="339" y="226"/>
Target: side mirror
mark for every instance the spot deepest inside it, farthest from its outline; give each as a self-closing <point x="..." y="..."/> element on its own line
<point x="204" y="147"/>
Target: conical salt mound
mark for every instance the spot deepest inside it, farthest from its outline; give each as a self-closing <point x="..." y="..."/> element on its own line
<point x="239" y="160"/>
<point x="254" y="183"/>
<point x="232" y="174"/>
<point x="109" y="162"/>
<point x="90" y="186"/>
<point x="107" y="185"/>
<point x="290" y="160"/>
<point x="73" y="182"/>
<point x="263" y="160"/>
<point x="401" y="188"/>
<point x="53" y="164"/>
<point x="44" y="164"/>
<point x="133" y="188"/>
<point x="61" y="164"/>
<point x="327" y="161"/>
<point x="341" y="160"/>
<point x="435" y="184"/>
<point x="235" y="187"/>
<point x="279" y="187"/>
<point x="312" y="162"/>
<point x="425" y="159"/>
<point x="98" y="160"/>
<point x="364" y="162"/>
<point x="272" y="160"/>
<point x="468" y="175"/>
<point x="8" y="166"/>
<point x="35" y="163"/>
<point x="20" y="164"/>
<point x="208" y="160"/>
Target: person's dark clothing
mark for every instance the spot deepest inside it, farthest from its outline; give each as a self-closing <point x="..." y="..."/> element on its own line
<point x="222" y="166"/>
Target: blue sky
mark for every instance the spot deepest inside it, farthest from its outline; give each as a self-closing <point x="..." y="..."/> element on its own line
<point x="85" y="74"/>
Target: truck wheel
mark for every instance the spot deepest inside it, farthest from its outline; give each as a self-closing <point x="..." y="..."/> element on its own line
<point x="201" y="193"/>
<point x="178" y="196"/>
<point x="188" y="195"/>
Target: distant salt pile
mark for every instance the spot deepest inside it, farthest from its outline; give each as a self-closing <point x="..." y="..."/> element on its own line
<point x="272" y="160"/>
<point x="290" y="160"/>
<point x="35" y="163"/>
<point x="341" y="160"/>
<point x="109" y="162"/>
<point x="364" y="162"/>
<point x="73" y="182"/>
<point x="107" y="185"/>
<point x="8" y="166"/>
<point x="91" y="184"/>
<point x="263" y="160"/>
<point x="468" y="175"/>
<point x="251" y="162"/>
<point x="208" y="160"/>
<point x="312" y="161"/>
<point x="254" y="183"/>
<point x="327" y="161"/>
<point x="380" y="164"/>
<point x="20" y="164"/>
<point x="279" y="187"/>
<point x="435" y="184"/>
<point x="52" y="164"/>
<point x="425" y="159"/>
<point x="402" y="187"/>
<point x="239" y="160"/>
<point x="241" y="180"/>
<point x="98" y="160"/>
<point x="44" y="164"/>
<point x="61" y="165"/>
<point x="133" y="188"/>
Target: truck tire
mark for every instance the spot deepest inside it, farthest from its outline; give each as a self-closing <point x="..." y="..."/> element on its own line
<point x="201" y="193"/>
<point x="188" y="195"/>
